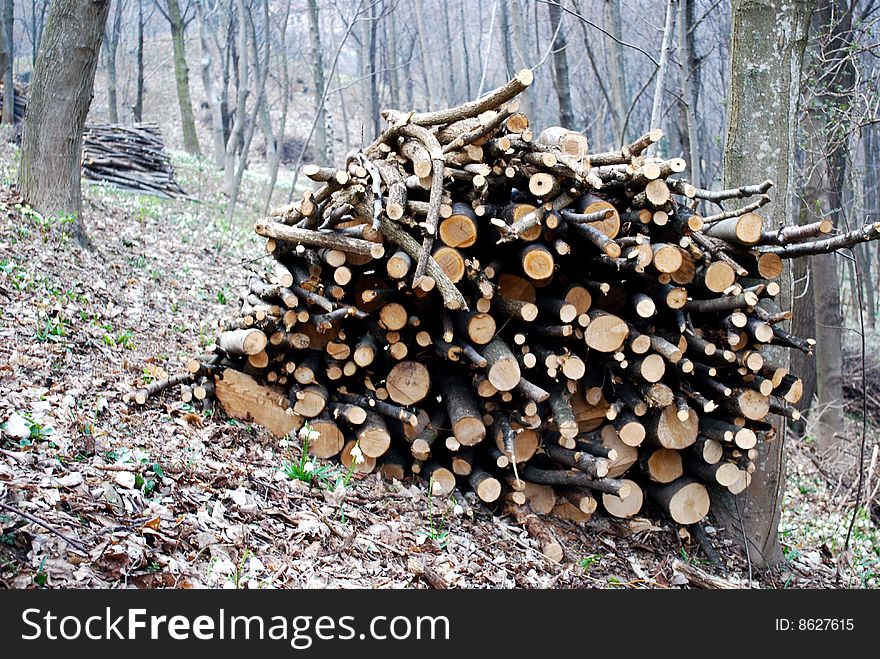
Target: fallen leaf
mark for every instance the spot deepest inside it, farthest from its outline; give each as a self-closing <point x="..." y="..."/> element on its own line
<point x="125" y="479"/>
<point x="71" y="480"/>
<point x="154" y="523"/>
<point x="17" y="426"/>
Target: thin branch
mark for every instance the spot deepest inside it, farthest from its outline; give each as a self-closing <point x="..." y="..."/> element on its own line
<point x="36" y="520"/>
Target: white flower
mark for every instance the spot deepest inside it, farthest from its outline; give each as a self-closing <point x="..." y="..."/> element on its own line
<point x="358" y="455"/>
<point x="309" y="467"/>
<point x="436" y="488"/>
<point x="457" y="510"/>
<point x="308" y="434"/>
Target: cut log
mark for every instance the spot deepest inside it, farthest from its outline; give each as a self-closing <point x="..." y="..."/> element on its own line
<point x="661" y="465"/>
<point x="503" y="372"/>
<point x="408" y="382"/>
<point x="373" y="436"/>
<point x="329" y="440"/>
<point x="242" y="342"/>
<point x="606" y="332"/>
<point x="486" y="486"/>
<point x="464" y="414"/>
<point x="685" y="500"/>
<point x="626" y="505"/>
<point x="245" y="399"/>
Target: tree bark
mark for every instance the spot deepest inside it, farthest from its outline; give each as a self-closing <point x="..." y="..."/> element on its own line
<point x="521" y="46"/>
<point x="319" y="83"/>
<point x="208" y="24"/>
<point x="660" y="84"/>
<point x="138" y="107"/>
<point x="427" y="69"/>
<point x="560" y="67"/>
<point x="768" y="41"/>
<point x="8" y="69"/>
<point x="181" y="75"/>
<point x="617" y="68"/>
<point x="111" y="43"/>
<point x="61" y="92"/>
<point x="689" y="74"/>
<point x="829" y="137"/>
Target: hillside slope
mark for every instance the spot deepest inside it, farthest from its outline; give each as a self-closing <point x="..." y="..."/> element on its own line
<point x="172" y="496"/>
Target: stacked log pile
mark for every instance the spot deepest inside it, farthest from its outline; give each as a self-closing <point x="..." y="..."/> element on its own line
<point x="130" y="157"/>
<point x="509" y="313"/>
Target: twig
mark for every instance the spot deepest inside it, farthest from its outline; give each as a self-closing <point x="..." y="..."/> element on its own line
<point x="36" y="520"/>
<point x="426" y="574"/>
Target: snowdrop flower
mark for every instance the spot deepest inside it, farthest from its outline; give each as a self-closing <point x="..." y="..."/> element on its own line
<point x="309" y="467"/>
<point x="358" y="455"/>
<point x="307" y="433"/>
<point x="457" y="510"/>
<point x="436" y="488"/>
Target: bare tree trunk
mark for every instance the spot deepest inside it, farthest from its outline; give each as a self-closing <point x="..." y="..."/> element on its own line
<point x="506" y="46"/>
<point x="138" y="107"/>
<point x="318" y="79"/>
<point x="389" y="26"/>
<point x="828" y="137"/>
<point x="520" y="44"/>
<point x="61" y="92"/>
<point x="660" y="84"/>
<point x="560" y="67"/>
<point x="9" y="73"/>
<point x="275" y="161"/>
<point x="689" y="74"/>
<point x="4" y="52"/>
<point x="465" y="53"/>
<point x="111" y="43"/>
<point x="450" y="68"/>
<point x="236" y="135"/>
<point x="373" y="78"/>
<point x="261" y="69"/>
<point x="768" y="40"/>
<point x="427" y="69"/>
<point x="616" y="67"/>
<point x="181" y="74"/>
<point x="870" y="182"/>
<point x="208" y="25"/>
<point x="803" y="322"/>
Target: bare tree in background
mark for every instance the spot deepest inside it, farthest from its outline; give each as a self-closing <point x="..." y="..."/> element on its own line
<point x="34" y="19"/>
<point x="60" y="95"/>
<point x="560" y="66"/>
<point x="616" y="66"/>
<point x="112" y="33"/>
<point x="138" y="107"/>
<point x="253" y="70"/>
<point x="8" y="69"/>
<point x="317" y="54"/>
<point x="178" y="22"/>
<point x="281" y="50"/>
<point x="828" y="124"/>
<point x="215" y="71"/>
<point x="689" y="76"/>
<point x="768" y="41"/>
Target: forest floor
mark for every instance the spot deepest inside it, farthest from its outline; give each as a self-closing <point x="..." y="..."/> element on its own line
<point x="100" y="493"/>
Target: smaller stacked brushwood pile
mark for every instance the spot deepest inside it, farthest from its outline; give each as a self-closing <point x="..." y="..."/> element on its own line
<point x="129" y="157"/>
